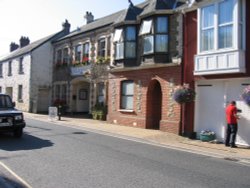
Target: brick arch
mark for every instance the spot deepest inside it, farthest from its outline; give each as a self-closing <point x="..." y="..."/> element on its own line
<point x="154" y="105"/>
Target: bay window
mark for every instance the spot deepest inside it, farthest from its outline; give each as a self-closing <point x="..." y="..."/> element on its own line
<point x="221" y="25"/>
<point x="125" y="43"/>
<point x="154" y="34"/>
<point x="127" y="95"/>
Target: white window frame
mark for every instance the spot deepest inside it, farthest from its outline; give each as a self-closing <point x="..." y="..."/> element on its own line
<point x="125" y="96"/>
<point x="237" y="34"/>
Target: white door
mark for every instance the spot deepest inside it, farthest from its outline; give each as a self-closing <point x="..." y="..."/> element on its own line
<point x="82" y="104"/>
<point x="209" y="108"/>
<point x="234" y="91"/>
<point x="212" y="98"/>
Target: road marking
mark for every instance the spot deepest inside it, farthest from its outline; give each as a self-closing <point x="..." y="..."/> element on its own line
<point x="15" y="175"/>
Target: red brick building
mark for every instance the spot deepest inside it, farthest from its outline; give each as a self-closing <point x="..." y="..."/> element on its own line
<point x="147" y="68"/>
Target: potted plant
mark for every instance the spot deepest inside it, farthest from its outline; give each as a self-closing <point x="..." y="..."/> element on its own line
<point x="207" y="135"/>
<point x="184" y="94"/>
<point x="99" y="112"/>
<point x="246" y="95"/>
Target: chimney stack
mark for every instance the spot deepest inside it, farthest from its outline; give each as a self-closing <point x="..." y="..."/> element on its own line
<point x="24" y="41"/>
<point x="88" y="18"/>
<point x="66" y="27"/>
<point x="13" y="46"/>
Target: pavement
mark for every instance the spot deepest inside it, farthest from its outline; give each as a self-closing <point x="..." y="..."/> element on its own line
<point x="154" y="137"/>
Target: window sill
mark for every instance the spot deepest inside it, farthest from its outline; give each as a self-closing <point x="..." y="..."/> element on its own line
<point x="125" y="110"/>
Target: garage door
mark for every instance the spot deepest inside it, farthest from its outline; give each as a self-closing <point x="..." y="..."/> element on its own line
<point x="209" y="110"/>
<point x="212" y="98"/>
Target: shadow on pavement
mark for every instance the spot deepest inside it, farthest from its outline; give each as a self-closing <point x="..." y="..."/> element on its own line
<point x="27" y="142"/>
<point x="8" y="182"/>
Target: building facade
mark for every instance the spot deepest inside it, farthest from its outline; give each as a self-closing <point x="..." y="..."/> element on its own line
<point x="26" y="72"/>
<point x="147" y="67"/>
<point x="217" y="64"/>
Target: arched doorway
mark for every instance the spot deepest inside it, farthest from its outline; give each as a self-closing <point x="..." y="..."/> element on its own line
<point x="154" y="105"/>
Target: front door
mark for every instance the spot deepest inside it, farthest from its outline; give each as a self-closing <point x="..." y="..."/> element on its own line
<point x="154" y="105"/>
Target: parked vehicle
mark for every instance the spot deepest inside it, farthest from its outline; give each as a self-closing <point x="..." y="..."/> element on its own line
<point x="11" y="119"/>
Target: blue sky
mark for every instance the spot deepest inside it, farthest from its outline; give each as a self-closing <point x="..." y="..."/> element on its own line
<point x="39" y="18"/>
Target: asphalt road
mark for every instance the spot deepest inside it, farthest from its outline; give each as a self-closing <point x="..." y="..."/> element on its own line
<point x="53" y="156"/>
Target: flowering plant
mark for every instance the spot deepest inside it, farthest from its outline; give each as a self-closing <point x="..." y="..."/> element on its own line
<point x="184" y="94"/>
<point x="246" y="95"/>
<point x="207" y="132"/>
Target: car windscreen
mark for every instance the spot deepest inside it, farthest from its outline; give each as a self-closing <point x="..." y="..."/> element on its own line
<point x="5" y="102"/>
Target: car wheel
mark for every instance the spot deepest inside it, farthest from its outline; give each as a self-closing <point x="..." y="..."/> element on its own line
<point x="18" y="133"/>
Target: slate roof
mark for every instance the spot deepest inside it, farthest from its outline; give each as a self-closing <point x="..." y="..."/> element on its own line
<point x="26" y="49"/>
<point x="129" y="14"/>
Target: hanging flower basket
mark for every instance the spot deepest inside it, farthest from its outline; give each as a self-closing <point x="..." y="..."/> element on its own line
<point x="246" y="95"/>
<point x="184" y="94"/>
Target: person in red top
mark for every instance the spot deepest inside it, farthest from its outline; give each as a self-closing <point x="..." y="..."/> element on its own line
<point x="232" y="124"/>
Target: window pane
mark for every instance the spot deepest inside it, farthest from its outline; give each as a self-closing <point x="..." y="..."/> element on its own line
<point x="207" y="14"/>
<point x="148" y="44"/>
<point x="127" y="88"/>
<point x="161" y="43"/>
<point x="127" y="102"/>
<point x="119" y="50"/>
<point x="207" y="40"/>
<point x="162" y="25"/>
<point x="226" y="11"/>
<point x="130" y="49"/>
<point x="146" y="27"/>
<point x="130" y="34"/>
<point x="118" y="35"/>
<point x="226" y="36"/>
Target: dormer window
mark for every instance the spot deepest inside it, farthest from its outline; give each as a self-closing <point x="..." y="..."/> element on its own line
<point x="154" y="34"/>
<point x="125" y="43"/>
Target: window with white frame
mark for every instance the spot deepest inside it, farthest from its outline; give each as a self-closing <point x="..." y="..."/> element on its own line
<point x="0" y="89"/>
<point x="1" y="70"/>
<point x="125" y="42"/>
<point x="20" y="68"/>
<point x="127" y="95"/>
<point x="221" y="25"/>
<point x="85" y="55"/>
<point x="78" y="51"/>
<point x="65" y="55"/>
<point x="154" y="34"/>
<point x="20" y="93"/>
<point x="101" y="47"/>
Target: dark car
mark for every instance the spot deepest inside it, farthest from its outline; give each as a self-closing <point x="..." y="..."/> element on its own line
<point x="11" y="119"/>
